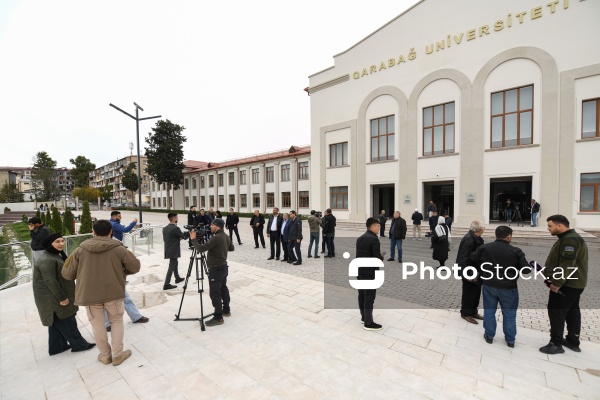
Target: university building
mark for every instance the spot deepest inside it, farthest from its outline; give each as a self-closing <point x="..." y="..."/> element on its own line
<point x="263" y="181"/>
<point x="467" y="103"/>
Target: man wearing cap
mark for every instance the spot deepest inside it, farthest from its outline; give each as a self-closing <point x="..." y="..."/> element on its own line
<point x="416" y="217"/>
<point x="216" y="261"/>
<point x="38" y="232"/>
<point x="172" y="236"/>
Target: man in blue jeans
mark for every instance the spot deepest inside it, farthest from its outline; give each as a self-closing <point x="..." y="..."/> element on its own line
<point x="397" y="235"/>
<point x="134" y="314"/>
<point x="500" y="265"/>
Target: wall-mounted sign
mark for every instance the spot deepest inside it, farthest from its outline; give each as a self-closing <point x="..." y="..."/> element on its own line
<point x="471" y="197"/>
<point x="407" y="199"/>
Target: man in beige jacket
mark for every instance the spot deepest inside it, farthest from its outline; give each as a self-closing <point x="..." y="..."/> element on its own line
<point x="100" y="264"/>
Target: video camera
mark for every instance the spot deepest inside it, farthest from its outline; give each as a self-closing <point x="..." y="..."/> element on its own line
<point x="200" y="230"/>
<point x="319" y="214"/>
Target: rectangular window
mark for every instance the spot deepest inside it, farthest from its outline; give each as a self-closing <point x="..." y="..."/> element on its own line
<point x="270" y="174"/>
<point x="231" y="176"/>
<point x="211" y="181"/>
<point x="285" y="173"/>
<point x="202" y="201"/>
<point x="338" y="154"/>
<point x="438" y="129"/>
<point x="382" y="138"/>
<point x="153" y="187"/>
<point x="286" y="199"/>
<point x="232" y="200"/>
<point x="303" y="170"/>
<point x="202" y="184"/>
<point x="303" y="201"/>
<point x="270" y="199"/>
<point x="220" y="180"/>
<point x="256" y="200"/>
<point x="339" y="197"/>
<point x="243" y="200"/>
<point x="211" y="201"/>
<point x="243" y="177"/>
<point x="590" y="192"/>
<point x="164" y="201"/>
<point x="187" y="202"/>
<point x="159" y="202"/>
<point x="194" y="201"/>
<point x="254" y="175"/>
<point x="186" y="184"/>
<point x="221" y="201"/>
<point x="512" y="117"/>
<point x="590" y="123"/>
<point x="193" y="183"/>
<point x="153" y="202"/>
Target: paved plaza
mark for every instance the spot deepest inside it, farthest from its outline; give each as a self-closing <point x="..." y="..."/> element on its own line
<point x="280" y="342"/>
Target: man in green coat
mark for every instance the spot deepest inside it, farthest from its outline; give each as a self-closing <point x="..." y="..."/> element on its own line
<point x="567" y="267"/>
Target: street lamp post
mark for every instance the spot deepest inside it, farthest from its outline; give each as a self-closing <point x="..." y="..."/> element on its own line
<point x="137" y="126"/>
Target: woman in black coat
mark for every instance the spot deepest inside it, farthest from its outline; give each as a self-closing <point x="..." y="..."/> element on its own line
<point x="440" y="241"/>
<point x="55" y="299"/>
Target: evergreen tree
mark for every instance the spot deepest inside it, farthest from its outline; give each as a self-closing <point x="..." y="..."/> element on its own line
<point x="43" y="218"/>
<point x="86" y="219"/>
<point x="38" y="213"/>
<point x="130" y="180"/>
<point x="68" y="222"/>
<point x="56" y="222"/>
<point x="43" y="172"/>
<point x="48" y="218"/>
<point x="81" y="172"/>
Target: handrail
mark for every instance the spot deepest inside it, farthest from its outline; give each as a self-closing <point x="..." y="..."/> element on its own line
<point x="14" y="280"/>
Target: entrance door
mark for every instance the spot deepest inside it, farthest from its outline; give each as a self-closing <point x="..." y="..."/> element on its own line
<point x="518" y="190"/>
<point x="383" y="199"/>
<point x="442" y="194"/>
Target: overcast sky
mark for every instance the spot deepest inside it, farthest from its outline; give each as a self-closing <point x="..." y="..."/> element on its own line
<point x="231" y="72"/>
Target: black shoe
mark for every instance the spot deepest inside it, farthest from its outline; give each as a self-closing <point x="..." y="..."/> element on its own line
<point x="488" y="339"/>
<point x="570" y="346"/>
<point x="62" y="351"/>
<point x="323" y="251"/>
<point x="328" y="256"/>
<point x="317" y="256"/>
<point x="277" y="258"/>
<point x="215" y="321"/>
<point x="167" y="287"/>
<point x="256" y="247"/>
<point x="390" y="259"/>
<point x="177" y="280"/>
<point x="511" y="345"/>
<point x="372" y="327"/>
<point x="551" y="348"/>
<point x="290" y="262"/>
<point x="142" y="320"/>
<point x="108" y="329"/>
<point x="240" y="243"/>
<point x="297" y="263"/>
<point x="309" y="256"/>
<point x="270" y="258"/>
<point x="284" y="260"/>
<point x="400" y="261"/>
<point x="87" y="347"/>
<point x="226" y="312"/>
<point x="264" y="246"/>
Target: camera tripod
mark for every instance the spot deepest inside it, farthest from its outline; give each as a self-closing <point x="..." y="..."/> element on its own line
<point x="517" y="215"/>
<point x="199" y="282"/>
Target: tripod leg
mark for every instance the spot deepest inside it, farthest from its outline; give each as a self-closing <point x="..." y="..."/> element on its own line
<point x="187" y="277"/>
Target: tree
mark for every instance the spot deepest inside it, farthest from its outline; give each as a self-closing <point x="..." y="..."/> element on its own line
<point x="48" y="218"/>
<point x="56" y="224"/>
<point x="165" y="155"/>
<point x="106" y="192"/>
<point x="86" y="219"/>
<point x="81" y="172"/>
<point x="38" y="213"/>
<point x="43" y="172"/>
<point x="9" y="193"/>
<point x="87" y="193"/>
<point x="43" y="218"/>
<point x="68" y="222"/>
<point x="130" y="180"/>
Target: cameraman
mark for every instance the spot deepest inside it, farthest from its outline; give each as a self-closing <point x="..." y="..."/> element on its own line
<point x="216" y="262"/>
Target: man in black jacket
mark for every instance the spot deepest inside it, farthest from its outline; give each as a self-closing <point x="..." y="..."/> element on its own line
<point x="172" y="236"/>
<point x="367" y="246"/>
<point x="192" y="221"/>
<point x="433" y="221"/>
<point x="416" y="217"/>
<point x="257" y="222"/>
<point x="397" y="235"/>
<point x="329" y="223"/>
<point x="232" y="223"/>
<point x="500" y="265"/>
<point x="295" y="238"/>
<point x="471" y="288"/>
<point x="38" y="232"/>
<point x="382" y="220"/>
<point x="274" y="233"/>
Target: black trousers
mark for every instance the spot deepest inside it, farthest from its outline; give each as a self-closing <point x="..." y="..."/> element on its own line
<point x="366" y="299"/>
<point x="173" y="264"/>
<point x="323" y="243"/>
<point x="382" y="230"/>
<point x="219" y="293"/>
<point x="329" y="238"/>
<point x="258" y="232"/>
<point x="286" y="251"/>
<point x="565" y="309"/>
<point x="294" y="247"/>
<point x="63" y="335"/>
<point x="237" y="234"/>
<point x="275" y="239"/>
<point x="471" y="293"/>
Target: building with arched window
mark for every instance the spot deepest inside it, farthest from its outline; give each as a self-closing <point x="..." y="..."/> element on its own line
<point x="466" y="103"/>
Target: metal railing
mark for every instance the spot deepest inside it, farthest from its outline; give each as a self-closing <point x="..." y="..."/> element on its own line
<point x="16" y="280"/>
<point x="140" y="239"/>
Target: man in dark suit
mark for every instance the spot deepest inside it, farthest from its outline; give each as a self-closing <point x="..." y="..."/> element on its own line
<point x="232" y="223"/>
<point x="172" y="236"/>
<point x="274" y="233"/>
<point x="367" y="246"/>
<point x="257" y="222"/>
<point x="397" y="235"/>
<point x="191" y="221"/>
<point x="285" y="238"/>
<point x="295" y="237"/>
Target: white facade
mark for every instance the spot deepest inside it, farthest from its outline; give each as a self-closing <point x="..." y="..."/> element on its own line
<point x="544" y="53"/>
<point x="286" y="187"/>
